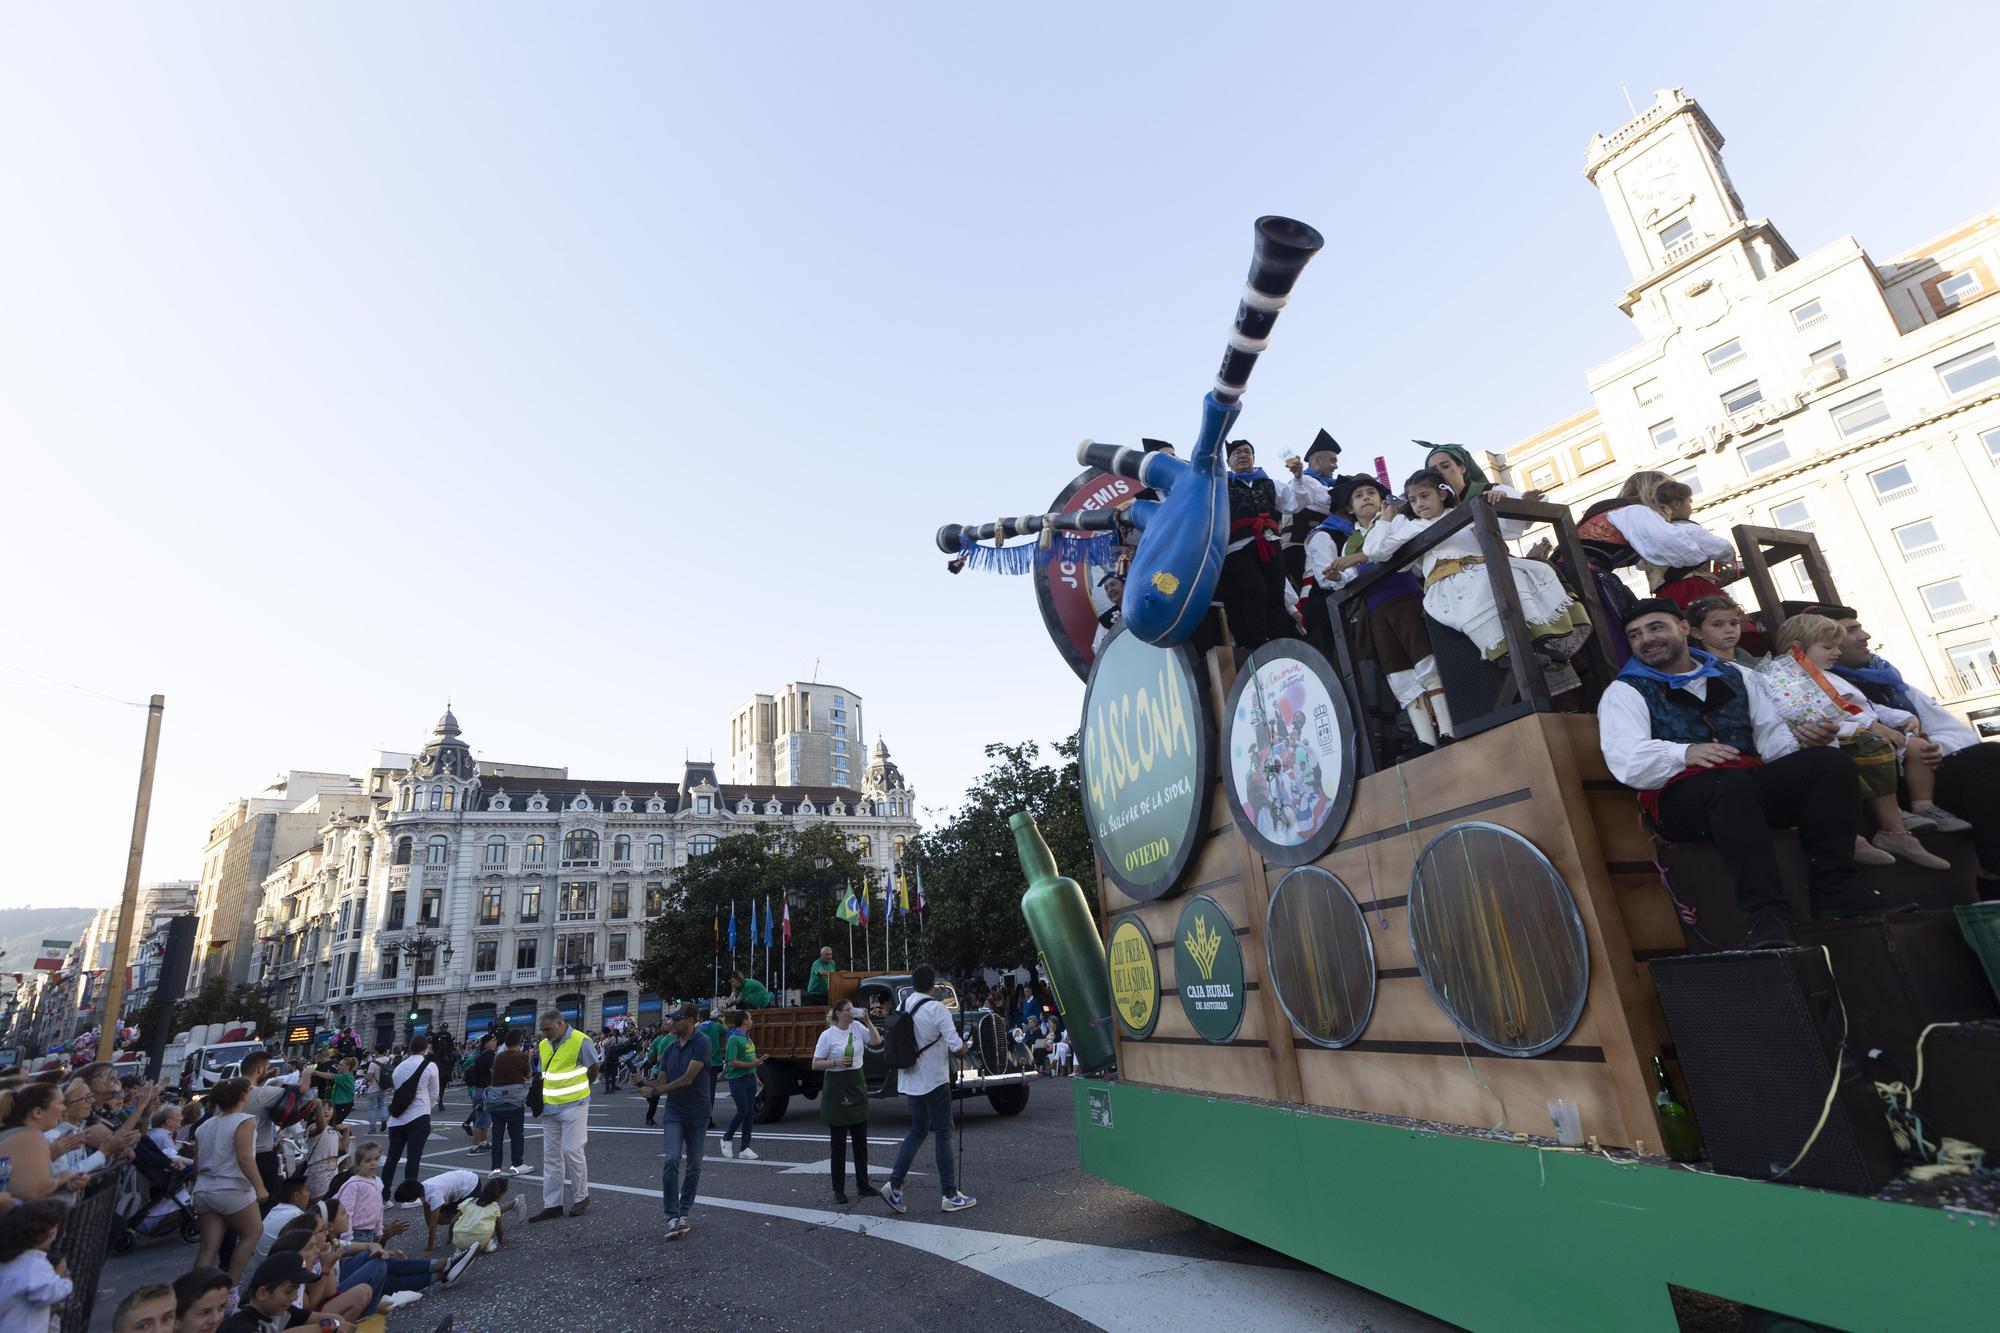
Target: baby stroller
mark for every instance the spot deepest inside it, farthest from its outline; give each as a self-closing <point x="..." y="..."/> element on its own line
<point x="152" y="1201"/>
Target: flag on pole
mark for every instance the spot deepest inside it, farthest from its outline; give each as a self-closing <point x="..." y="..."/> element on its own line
<point x="864" y="903"/>
<point x="53" y="952"/>
<point x="849" y="909"/>
<point x="902" y="893"/>
<point x="920" y="890"/>
<point x="788" y="921"/>
<point x="732" y="925"/>
<point x="767" y="923"/>
<point x="753" y="923"/>
<point x="715" y="930"/>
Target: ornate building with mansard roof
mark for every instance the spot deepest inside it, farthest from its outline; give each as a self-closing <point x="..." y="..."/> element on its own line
<point x="474" y="892"/>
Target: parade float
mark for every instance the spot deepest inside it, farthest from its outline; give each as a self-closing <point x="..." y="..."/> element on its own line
<point x="1435" y="1026"/>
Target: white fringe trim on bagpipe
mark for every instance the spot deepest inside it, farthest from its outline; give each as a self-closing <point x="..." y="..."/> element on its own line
<point x="1097" y="549"/>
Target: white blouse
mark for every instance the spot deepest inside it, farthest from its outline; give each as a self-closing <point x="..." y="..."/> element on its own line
<point x="833" y="1045"/>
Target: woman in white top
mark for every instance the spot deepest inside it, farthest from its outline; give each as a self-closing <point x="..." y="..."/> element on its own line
<point x="843" y="1097"/>
<point x="77" y="1106"/>
<point x="227" y="1184"/>
<point x="27" y="1114"/>
<point x="326" y="1149"/>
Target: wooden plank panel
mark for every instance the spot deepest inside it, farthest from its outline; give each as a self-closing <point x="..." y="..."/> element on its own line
<point x="1441" y="1088"/>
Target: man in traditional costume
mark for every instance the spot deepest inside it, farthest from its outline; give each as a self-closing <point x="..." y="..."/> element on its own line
<point x="1713" y="762"/>
<point x="1322" y="464"/>
<point x="1253" y="586"/>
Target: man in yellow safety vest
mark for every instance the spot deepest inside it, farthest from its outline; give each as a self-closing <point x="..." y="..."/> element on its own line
<point x="569" y="1060"/>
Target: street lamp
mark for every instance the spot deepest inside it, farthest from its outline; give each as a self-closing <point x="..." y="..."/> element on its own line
<point x="418" y="948"/>
<point x="579" y="974"/>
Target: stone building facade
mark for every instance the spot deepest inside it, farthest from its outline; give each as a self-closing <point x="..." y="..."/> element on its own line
<point x="808" y="734"/>
<point x="469" y="893"/>
<point x="1829" y="392"/>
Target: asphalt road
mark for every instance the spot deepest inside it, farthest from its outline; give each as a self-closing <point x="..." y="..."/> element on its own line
<point x="1048" y="1248"/>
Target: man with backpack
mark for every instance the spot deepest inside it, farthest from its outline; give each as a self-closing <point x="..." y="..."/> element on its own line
<point x="274" y="1105"/>
<point x="413" y="1093"/>
<point x="376" y="1079"/>
<point x="921" y="1038"/>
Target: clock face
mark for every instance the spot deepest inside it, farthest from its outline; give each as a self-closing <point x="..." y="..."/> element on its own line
<point x="1658" y="179"/>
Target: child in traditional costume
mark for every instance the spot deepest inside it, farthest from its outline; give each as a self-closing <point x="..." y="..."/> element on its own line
<point x="1800" y="687"/>
<point x="1457" y="591"/>
<point x="1627" y="530"/>
<point x="1715" y="625"/>
<point x="1392" y="611"/>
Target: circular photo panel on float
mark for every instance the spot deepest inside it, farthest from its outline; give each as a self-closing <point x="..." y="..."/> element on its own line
<point x="1498" y="939"/>
<point x="1288" y="751"/>
<point x="1322" y="957"/>
<point x="1208" y="969"/>
<point x="1147" y="760"/>
<point x="1135" y="977"/>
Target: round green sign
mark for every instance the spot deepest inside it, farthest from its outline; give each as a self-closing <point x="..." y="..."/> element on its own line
<point x="1208" y="969"/>
<point x="1148" y="758"/>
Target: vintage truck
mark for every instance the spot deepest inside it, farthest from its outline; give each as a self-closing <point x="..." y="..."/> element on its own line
<point x="787" y="1036"/>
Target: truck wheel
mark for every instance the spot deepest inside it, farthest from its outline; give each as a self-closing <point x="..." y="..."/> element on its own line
<point x="774" y="1094"/>
<point x="1009" y="1098"/>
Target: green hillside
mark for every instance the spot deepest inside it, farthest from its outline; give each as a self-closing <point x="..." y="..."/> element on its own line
<point x="22" y="930"/>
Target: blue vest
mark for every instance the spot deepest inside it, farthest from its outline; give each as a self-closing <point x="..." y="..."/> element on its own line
<point x="1680" y="717"/>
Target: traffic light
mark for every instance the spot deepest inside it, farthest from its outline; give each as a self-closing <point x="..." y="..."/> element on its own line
<point x="413" y="1015"/>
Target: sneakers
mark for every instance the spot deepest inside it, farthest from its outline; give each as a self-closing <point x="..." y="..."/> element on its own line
<point x="1858" y="901"/>
<point x="1769" y="930"/>
<point x="746" y="1154"/>
<point x="396" y="1300"/>
<point x="477" y="1149"/>
<point x="1944" y="821"/>
<point x="455" y="1267"/>
<point x="840" y="1198"/>
<point x="1867" y="853"/>
<point x="516" y="1169"/>
<point x="492" y="1246"/>
<point x="678" y="1227"/>
<point x="894" y="1198"/>
<point x="728" y="1148"/>
<point x="959" y="1202"/>
<point x="1906" y="846"/>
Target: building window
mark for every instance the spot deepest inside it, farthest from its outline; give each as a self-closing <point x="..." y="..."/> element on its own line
<point x="1664" y="433"/>
<point x="656" y="848"/>
<point x="702" y="805"/>
<point x="1742" y="397"/>
<point x="574" y="950"/>
<point x="621" y="901"/>
<point x="1963" y="374"/>
<point x="1676" y="233"/>
<point x="403" y="850"/>
<point x="526" y="952"/>
<point x="1917" y="540"/>
<point x="1543" y="477"/>
<point x="1893" y="483"/>
<point x="1975" y="665"/>
<point x="1860" y="416"/>
<point x="656" y="898"/>
<point x="489" y="906"/>
<point x="1769" y="451"/>
<point x="437" y="798"/>
<point x="391" y="961"/>
<point x="1593" y="454"/>
<point x="840" y="701"/>
<point x="1690" y="477"/>
<point x="1946" y="600"/>
<point x="578" y="901"/>
<point x="536" y="851"/>
<point x="864" y="847"/>
<point x="496" y="851"/>
<point x="1959" y="288"/>
<point x="1793" y="516"/>
<point x="486" y="956"/>
<point x="531" y="903"/>
<point x="395" y="921"/>
<point x="431" y="912"/>
<point x="1648" y="392"/>
<point x="614" y="947"/>
<point x="899" y="843"/>
<point x="580" y="848"/>
<point x="437" y="851"/>
<point x="701" y="844"/>
<point x="1807" y="315"/>
<point x="1726" y="355"/>
<point x="621" y="847"/>
<point x="1831" y="355"/>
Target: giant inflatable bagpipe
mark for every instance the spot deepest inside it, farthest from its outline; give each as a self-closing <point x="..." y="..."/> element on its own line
<point x="1174" y="572"/>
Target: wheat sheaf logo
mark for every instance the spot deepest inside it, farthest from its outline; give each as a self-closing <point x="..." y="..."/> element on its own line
<point x="1202" y="945"/>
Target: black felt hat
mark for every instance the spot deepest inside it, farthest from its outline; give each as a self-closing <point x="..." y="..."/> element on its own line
<point x="1153" y="446"/>
<point x="1651" y="606"/>
<point x="1323" y="443"/>
<point x="1340" y="495"/>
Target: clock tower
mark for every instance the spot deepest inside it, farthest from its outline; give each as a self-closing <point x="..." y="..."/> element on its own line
<point x="1672" y="203"/>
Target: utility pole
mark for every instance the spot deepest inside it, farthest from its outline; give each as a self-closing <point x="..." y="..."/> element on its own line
<point x="114" y="988"/>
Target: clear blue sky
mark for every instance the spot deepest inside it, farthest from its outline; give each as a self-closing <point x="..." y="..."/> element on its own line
<point x="597" y="366"/>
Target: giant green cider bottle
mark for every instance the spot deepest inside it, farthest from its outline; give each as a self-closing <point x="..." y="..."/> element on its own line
<point x="1071" y="950"/>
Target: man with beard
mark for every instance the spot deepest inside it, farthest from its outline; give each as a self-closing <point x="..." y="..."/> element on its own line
<point x="1713" y="762"/>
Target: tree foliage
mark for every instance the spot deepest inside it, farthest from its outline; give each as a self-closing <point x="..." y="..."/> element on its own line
<point x="216" y="1002"/>
<point x="972" y="876"/>
<point x="681" y="959"/>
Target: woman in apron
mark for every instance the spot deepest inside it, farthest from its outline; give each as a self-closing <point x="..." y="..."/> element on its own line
<point x="843" y="1096"/>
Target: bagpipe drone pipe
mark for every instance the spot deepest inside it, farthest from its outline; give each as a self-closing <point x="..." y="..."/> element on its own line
<point x="1186" y="534"/>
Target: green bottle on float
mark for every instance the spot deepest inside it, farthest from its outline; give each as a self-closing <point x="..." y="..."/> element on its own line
<point x="1677" y="1132"/>
<point x="1072" y="952"/>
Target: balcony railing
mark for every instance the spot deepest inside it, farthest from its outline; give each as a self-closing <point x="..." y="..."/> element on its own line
<point x="1924" y="552"/>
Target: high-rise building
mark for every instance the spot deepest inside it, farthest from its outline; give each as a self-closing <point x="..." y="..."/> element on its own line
<point x="808" y="734"/>
<point x="1856" y="400"/>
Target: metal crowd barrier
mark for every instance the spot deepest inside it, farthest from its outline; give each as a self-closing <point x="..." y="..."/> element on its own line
<point x="84" y="1240"/>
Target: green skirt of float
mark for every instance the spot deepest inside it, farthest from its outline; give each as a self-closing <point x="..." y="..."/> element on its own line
<point x="843" y="1098"/>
